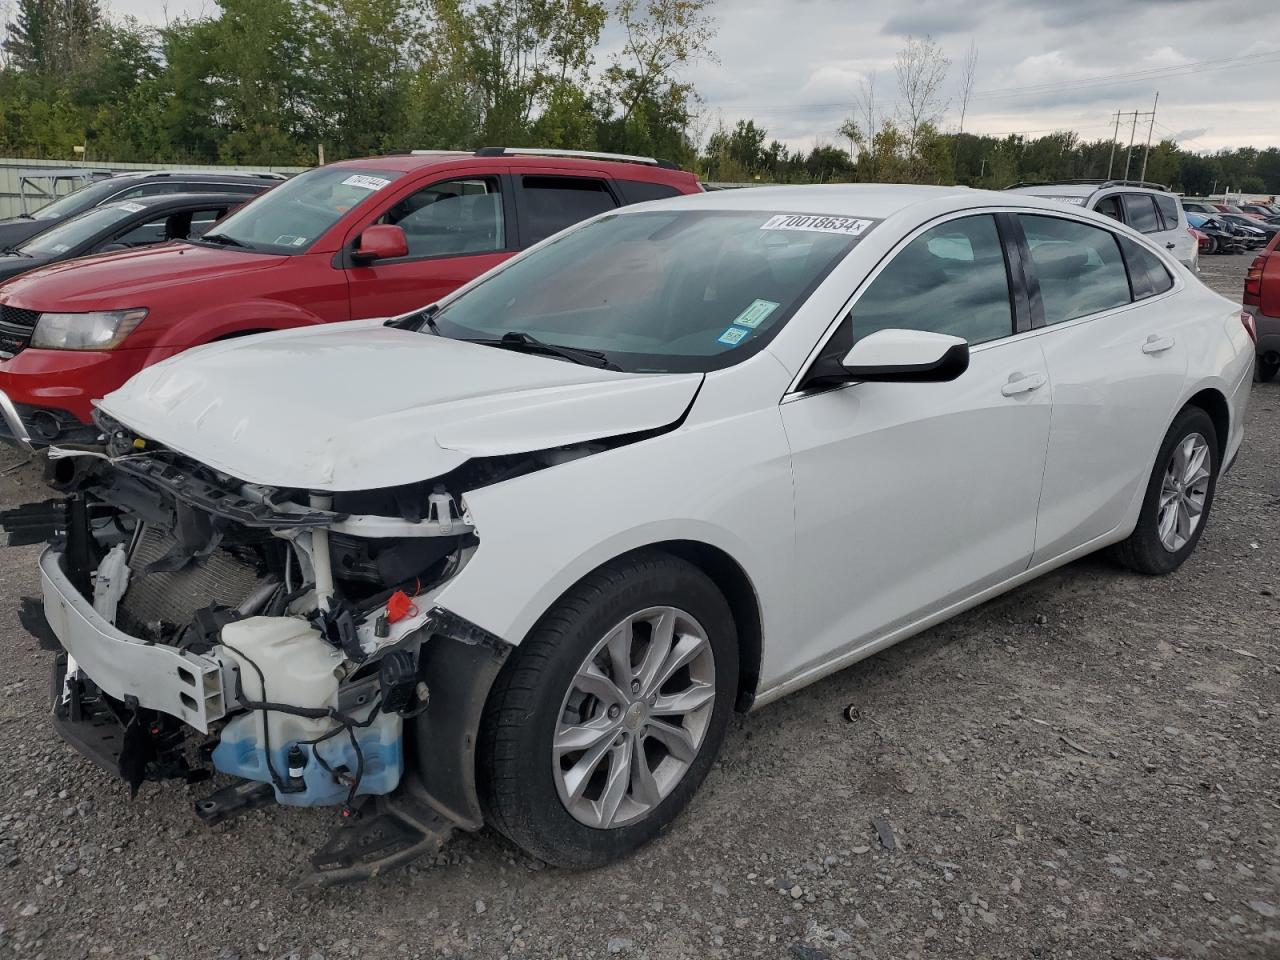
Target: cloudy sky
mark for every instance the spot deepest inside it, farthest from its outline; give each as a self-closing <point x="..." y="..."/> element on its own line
<point x="795" y="66"/>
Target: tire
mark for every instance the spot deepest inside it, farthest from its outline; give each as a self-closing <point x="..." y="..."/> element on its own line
<point x="1267" y="368"/>
<point x="1149" y="549"/>
<point x="1213" y="246"/>
<point x="525" y="771"/>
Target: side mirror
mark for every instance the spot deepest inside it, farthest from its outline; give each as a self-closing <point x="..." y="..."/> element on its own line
<point x="383" y="241"/>
<point x="895" y="356"/>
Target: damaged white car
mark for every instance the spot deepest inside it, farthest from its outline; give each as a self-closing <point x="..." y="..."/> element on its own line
<point x="515" y="558"/>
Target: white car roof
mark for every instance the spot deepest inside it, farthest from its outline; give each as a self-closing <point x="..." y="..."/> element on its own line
<point x="876" y="201"/>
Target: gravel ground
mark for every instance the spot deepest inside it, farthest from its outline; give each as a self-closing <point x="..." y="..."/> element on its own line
<point x="1086" y="767"/>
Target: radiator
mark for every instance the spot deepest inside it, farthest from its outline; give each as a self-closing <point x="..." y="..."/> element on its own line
<point x="175" y="597"/>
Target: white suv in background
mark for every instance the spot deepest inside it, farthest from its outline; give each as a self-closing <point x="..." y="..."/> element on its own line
<point x="1146" y="207"/>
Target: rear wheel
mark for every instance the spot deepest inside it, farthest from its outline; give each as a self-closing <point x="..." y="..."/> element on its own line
<point x="1268" y="367"/>
<point x="1179" y="496"/>
<point x="609" y="715"/>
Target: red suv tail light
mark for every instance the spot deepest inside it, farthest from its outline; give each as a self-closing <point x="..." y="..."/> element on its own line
<point x="1253" y="281"/>
<point x="1250" y="325"/>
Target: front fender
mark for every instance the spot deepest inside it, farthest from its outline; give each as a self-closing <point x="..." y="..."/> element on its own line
<point x="218" y="321"/>
<point x="725" y="483"/>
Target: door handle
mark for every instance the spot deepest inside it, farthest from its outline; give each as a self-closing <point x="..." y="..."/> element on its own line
<point x="1157" y="344"/>
<point x="1022" y="383"/>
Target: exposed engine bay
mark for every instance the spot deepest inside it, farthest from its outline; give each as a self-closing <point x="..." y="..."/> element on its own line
<point x="283" y="637"/>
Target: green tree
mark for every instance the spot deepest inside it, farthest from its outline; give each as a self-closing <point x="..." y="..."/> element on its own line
<point x="50" y="37"/>
<point x="518" y="58"/>
<point x="645" y="107"/>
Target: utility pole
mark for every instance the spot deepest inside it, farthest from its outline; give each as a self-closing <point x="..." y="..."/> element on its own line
<point x="1133" y="133"/>
<point x="1114" y="138"/>
<point x="1150" y="128"/>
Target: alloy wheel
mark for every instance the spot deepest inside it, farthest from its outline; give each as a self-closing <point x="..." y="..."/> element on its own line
<point x="634" y="717"/>
<point x="1183" y="492"/>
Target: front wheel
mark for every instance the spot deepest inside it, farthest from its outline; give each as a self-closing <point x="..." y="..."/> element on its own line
<point x="1268" y="367"/>
<point x="1179" y="496"/>
<point x="609" y="715"/>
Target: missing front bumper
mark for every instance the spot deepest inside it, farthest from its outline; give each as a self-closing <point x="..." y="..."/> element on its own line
<point x="157" y="677"/>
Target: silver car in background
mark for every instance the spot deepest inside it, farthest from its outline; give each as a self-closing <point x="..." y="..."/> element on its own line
<point x="1148" y="208"/>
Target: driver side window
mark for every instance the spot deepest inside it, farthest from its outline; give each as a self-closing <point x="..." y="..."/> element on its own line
<point x="951" y="279"/>
<point x="453" y="218"/>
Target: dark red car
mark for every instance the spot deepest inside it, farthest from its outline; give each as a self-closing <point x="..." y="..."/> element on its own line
<point x="1262" y="299"/>
<point x="362" y="238"/>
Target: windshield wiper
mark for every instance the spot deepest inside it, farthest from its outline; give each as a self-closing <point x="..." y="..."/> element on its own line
<point x="223" y="239"/>
<point x="518" y="340"/>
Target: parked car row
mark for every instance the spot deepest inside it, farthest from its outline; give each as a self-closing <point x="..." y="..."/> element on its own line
<point x="590" y="475"/>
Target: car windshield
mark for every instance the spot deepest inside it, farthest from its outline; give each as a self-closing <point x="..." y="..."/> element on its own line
<point x="292" y="216"/>
<point x="79" y="200"/>
<point x="661" y="291"/>
<point x="71" y="233"/>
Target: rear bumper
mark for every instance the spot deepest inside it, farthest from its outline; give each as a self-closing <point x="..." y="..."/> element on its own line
<point x="159" y="677"/>
<point x="1268" y="330"/>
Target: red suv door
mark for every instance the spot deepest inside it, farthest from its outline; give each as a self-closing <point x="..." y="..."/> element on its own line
<point x="456" y="227"/>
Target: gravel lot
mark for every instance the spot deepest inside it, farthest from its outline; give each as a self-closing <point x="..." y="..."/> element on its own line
<point x="1086" y="767"/>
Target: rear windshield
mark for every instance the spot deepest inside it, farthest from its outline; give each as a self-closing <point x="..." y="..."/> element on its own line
<point x="661" y="291"/>
<point x="291" y="217"/>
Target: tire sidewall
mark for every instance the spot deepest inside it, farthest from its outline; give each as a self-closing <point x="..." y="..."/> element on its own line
<point x="575" y="844"/>
<point x="1147" y="536"/>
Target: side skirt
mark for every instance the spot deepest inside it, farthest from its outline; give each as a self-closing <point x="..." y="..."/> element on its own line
<point x="872" y="647"/>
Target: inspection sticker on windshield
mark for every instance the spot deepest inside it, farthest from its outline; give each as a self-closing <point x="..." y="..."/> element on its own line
<point x="133" y="207"/>
<point x="733" y="336"/>
<point x="755" y="314"/>
<point x="816" y="224"/>
<point x="367" y="182"/>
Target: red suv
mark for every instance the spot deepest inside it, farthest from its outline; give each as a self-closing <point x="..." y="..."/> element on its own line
<point x="362" y="238"/>
<point x="1262" y="299"/>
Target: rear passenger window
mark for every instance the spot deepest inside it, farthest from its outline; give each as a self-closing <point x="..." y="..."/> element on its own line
<point x="553" y="203"/>
<point x="1140" y="212"/>
<point x="637" y="191"/>
<point x="1168" y="207"/>
<point x="951" y="279"/>
<point x="1079" y="267"/>
<point x="1147" y="274"/>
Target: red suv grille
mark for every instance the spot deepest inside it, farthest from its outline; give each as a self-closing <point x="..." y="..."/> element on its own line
<point x="16" y="325"/>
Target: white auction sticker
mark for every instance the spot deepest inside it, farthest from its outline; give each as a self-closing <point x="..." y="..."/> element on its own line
<point x="133" y="207"/>
<point x="816" y="224"/>
<point x="367" y="182"/>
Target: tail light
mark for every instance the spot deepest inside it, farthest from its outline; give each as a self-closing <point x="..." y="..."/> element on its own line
<point x="1250" y="326"/>
<point x="1253" y="281"/>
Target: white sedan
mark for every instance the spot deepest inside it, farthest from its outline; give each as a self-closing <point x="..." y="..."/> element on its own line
<point x="681" y="459"/>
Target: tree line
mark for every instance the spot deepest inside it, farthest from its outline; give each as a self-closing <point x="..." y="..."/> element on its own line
<point x="275" y="81"/>
<point x="270" y="81"/>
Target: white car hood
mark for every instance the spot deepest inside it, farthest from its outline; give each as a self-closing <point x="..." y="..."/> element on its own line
<point x="357" y="406"/>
